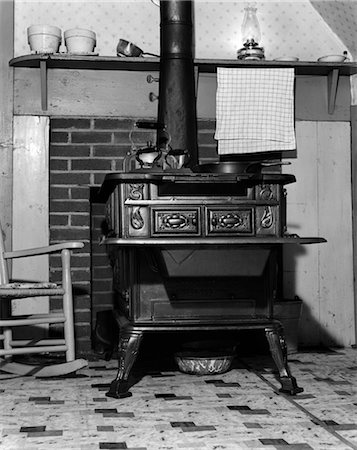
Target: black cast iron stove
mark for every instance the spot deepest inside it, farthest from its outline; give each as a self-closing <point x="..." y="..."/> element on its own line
<point x="193" y="247"/>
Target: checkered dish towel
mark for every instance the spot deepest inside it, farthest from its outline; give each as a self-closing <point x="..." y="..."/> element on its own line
<point x="254" y="110"/>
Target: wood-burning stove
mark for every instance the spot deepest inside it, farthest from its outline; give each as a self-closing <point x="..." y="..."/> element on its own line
<point x="196" y="252"/>
<point x="193" y="248"/>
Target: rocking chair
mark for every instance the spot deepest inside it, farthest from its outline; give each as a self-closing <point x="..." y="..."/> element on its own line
<point x="9" y="291"/>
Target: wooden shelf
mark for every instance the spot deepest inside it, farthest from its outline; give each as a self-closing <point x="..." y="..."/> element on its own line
<point x="65" y="61"/>
<point x="43" y="62"/>
<point x="301" y="67"/>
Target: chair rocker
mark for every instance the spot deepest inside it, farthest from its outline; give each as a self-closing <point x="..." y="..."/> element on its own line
<point x="9" y="291"/>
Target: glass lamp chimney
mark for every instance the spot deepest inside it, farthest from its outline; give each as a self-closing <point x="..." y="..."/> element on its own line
<point x="250" y="26"/>
<point x="251" y="35"/>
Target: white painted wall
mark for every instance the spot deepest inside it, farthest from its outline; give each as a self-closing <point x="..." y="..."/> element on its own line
<point x="319" y="204"/>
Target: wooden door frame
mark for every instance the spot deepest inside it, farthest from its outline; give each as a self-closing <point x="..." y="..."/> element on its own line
<point x="354" y="202"/>
<point x="6" y="115"/>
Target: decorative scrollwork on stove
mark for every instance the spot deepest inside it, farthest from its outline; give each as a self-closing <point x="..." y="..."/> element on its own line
<point x="176" y="222"/>
<point x="125" y="297"/>
<point x="136" y="219"/>
<point x="136" y="191"/>
<point x="266" y="192"/>
<point x="267" y="218"/>
<point x="128" y="348"/>
<point x="107" y="229"/>
<point x="230" y="220"/>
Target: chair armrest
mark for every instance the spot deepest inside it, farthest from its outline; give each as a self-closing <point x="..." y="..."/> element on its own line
<point x="43" y="250"/>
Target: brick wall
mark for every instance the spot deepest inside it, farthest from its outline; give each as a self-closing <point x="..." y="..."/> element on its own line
<point x="82" y="151"/>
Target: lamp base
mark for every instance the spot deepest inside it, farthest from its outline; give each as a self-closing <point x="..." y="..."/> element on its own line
<point x="251" y="53"/>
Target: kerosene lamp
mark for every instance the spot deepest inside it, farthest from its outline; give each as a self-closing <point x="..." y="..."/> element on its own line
<point x="251" y="36"/>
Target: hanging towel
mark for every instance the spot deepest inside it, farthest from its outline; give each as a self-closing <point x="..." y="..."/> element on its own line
<point x="254" y="110"/>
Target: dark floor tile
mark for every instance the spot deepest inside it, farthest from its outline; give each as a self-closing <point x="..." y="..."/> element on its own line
<point x="105" y="410"/>
<point x="252" y="425"/>
<point x="239" y="408"/>
<point x="273" y="441"/>
<point x="330" y="423"/>
<point x="112" y="445"/>
<point x="302" y="446"/>
<point x="105" y="428"/>
<point x="48" y="433"/>
<point x="256" y="412"/>
<point x="39" y="399"/>
<point x="33" y="429"/>
<point x="165" y="395"/>
<point x="118" y="414"/>
<point x="345" y="426"/>
<point x="343" y="393"/>
<point x="198" y="428"/>
<point x="182" y="424"/>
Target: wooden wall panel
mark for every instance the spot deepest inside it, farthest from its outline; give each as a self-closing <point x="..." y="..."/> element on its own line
<point x="126" y="94"/>
<point x="319" y="204"/>
<point x="6" y="111"/>
<point x="354" y="198"/>
<point x="301" y="263"/>
<point x="335" y="223"/>
<point x="30" y="204"/>
<point x="86" y="93"/>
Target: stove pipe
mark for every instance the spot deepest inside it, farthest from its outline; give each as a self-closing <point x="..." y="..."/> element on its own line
<point x="177" y="96"/>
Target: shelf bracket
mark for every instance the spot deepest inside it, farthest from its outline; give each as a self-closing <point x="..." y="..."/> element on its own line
<point x="332" y="82"/>
<point x="197" y="76"/>
<point x="43" y="81"/>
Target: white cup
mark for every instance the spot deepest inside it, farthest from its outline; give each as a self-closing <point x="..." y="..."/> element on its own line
<point x="80" y="41"/>
<point x="44" y="38"/>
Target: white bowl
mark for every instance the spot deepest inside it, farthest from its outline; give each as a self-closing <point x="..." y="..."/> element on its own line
<point x="332" y="58"/>
<point x="44" y="38"/>
<point x="287" y="58"/>
<point x="80" y="41"/>
<point x="203" y="363"/>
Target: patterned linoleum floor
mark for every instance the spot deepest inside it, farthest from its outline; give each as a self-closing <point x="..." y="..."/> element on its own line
<point x="241" y="409"/>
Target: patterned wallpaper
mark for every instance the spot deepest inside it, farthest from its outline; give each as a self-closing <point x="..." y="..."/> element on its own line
<point x="341" y="16"/>
<point x="288" y="28"/>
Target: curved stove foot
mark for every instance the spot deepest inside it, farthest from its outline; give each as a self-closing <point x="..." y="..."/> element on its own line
<point x="119" y="389"/>
<point x="278" y="349"/>
<point x="289" y="386"/>
<point x="128" y="349"/>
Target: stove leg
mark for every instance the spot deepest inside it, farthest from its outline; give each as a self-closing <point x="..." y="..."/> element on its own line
<point x="278" y="349"/>
<point x="128" y="349"/>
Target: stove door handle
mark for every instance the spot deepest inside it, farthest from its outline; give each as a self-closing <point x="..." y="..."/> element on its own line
<point x="227" y="221"/>
<point x="175" y="221"/>
<point x="230" y="221"/>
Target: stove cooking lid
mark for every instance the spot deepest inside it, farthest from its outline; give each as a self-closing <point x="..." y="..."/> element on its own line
<point x="222" y="167"/>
